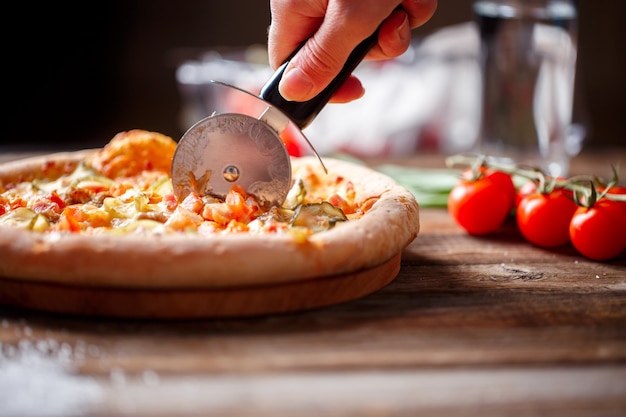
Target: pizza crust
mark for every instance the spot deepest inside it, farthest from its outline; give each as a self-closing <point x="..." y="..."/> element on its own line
<point x="181" y="261"/>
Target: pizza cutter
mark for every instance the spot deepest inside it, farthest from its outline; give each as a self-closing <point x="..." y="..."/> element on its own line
<point x="244" y="147"/>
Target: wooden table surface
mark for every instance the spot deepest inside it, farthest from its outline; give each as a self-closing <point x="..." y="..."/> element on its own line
<point x="470" y="327"/>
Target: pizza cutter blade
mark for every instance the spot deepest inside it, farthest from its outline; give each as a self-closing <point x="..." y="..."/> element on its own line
<point x="231" y="149"/>
<point x="242" y="145"/>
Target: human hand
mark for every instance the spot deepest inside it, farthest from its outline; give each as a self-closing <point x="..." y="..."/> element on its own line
<point x="333" y="28"/>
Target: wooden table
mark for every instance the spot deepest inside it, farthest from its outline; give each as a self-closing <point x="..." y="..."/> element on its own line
<point x="470" y="327"/>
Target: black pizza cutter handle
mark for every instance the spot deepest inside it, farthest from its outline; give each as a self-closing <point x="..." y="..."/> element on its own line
<point x="302" y="113"/>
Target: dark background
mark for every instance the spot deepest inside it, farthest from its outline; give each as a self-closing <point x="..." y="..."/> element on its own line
<point x="76" y="75"/>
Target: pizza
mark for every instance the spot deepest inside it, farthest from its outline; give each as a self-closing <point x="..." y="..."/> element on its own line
<point x="109" y="217"/>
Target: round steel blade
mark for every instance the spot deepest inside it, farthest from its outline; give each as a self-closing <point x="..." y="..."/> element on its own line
<point x="230" y="149"/>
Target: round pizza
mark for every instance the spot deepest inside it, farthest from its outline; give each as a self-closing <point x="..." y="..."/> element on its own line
<point x="109" y="218"/>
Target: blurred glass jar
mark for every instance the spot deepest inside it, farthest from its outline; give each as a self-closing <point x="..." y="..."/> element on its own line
<point x="528" y="60"/>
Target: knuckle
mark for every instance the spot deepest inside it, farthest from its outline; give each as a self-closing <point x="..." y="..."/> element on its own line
<point x="320" y="63"/>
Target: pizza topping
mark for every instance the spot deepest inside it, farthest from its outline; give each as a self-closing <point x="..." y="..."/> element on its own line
<point x="130" y="153"/>
<point x="318" y="216"/>
<point x="296" y="195"/>
<point x="25" y="218"/>
<point x="125" y="188"/>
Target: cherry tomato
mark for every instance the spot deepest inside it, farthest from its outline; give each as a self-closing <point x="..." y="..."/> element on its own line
<point x="544" y="218"/>
<point x="505" y="183"/>
<point x="618" y="189"/>
<point x="480" y="203"/>
<point x="529" y="187"/>
<point x="503" y="180"/>
<point x="599" y="232"/>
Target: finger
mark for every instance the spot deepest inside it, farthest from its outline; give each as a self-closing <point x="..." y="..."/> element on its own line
<point x="395" y="32"/>
<point x="419" y="11"/>
<point x="394" y="37"/>
<point x="350" y="90"/>
<point x="291" y="24"/>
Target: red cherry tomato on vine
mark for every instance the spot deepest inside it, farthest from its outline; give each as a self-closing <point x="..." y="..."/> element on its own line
<point x="480" y="202"/>
<point x="529" y="187"/>
<point x="505" y="183"/>
<point x="617" y="189"/>
<point x="599" y="232"/>
<point x="544" y="218"/>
